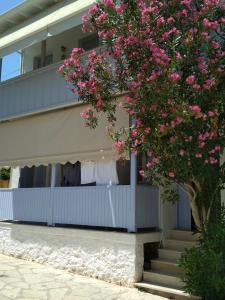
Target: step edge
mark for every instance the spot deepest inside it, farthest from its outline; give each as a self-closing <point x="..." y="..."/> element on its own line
<point x="166" y="289"/>
<point x="172" y="250"/>
<point x="162" y="274"/>
<point x="181" y="241"/>
<point x="169" y="262"/>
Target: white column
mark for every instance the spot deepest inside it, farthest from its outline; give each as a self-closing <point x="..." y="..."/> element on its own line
<point x="53" y="184"/>
<point x="53" y="176"/>
<point x="133" y="184"/>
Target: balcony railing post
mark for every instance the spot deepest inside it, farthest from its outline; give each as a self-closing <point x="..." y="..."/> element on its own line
<point x="53" y="176"/>
<point x="0" y="69"/>
<point x="53" y="184"/>
<point x="133" y="184"/>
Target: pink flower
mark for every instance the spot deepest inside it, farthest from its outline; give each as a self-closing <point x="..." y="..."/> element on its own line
<point x="195" y="108"/>
<point x="109" y="3"/>
<point x="175" y="76"/>
<point x="170" y="20"/>
<point x="217" y="148"/>
<point x="211" y="114"/>
<point x="213" y="160"/>
<point x="119" y="146"/>
<point x="135" y="133"/>
<point x="203" y="68"/>
<point x="160" y="21"/>
<point x="147" y="130"/>
<point x="99" y="103"/>
<point x="215" y="45"/>
<point x="201" y="145"/>
<point x="198" y="155"/>
<point x="196" y="86"/>
<point x="209" y="83"/>
<point x="171" y="174"/>
<point x="142" y="173"/>
<point x="210" y="25"/>
<point x="178" y="56"/>
<point x="121" y="8"/>
<point x="162" y="128"/>
<point x="93" y="10"/>
<point x="190" y="79"/>
<point x="101" y="18"/>
<point x="182" y="152"/>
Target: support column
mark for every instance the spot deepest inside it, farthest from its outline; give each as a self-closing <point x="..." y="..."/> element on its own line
<point x="53" y="176"/>
<point x="53" y="184"/>
<point x="0" y="69"/>
<point x="133" y="184"/>
<point x="43" y="52"/>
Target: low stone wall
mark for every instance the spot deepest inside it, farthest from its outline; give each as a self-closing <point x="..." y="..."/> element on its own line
<point x="110" y="256"/>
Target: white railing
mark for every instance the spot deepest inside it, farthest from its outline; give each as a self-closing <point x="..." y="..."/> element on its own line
<point x="103" y="206"/>
<point x="36" y="91"/>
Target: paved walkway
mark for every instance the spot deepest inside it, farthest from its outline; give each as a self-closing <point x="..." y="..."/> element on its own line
<point x="23" y="280"/>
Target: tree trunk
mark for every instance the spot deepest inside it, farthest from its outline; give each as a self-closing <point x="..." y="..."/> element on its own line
<point x="201" y="214"/>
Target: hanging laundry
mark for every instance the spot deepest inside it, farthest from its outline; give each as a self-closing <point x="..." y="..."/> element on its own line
<point x="106" y="172"/>
<point x="87" y="172"/>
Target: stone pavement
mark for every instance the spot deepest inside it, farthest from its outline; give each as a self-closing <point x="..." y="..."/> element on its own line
<point x="24" y="280"/>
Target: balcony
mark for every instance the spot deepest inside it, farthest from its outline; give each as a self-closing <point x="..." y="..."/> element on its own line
<point x="101" y="206"/>
<point x="34" y="92"/>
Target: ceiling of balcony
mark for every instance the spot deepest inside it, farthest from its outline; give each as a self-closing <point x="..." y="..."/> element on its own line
<point x="22" y="12"/>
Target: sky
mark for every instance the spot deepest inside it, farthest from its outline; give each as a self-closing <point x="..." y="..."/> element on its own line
<point x="11" y="63"/>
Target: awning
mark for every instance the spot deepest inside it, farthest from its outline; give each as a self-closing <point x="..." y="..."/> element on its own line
<point x="58" y="21"/>
<point x="56" y="137"/>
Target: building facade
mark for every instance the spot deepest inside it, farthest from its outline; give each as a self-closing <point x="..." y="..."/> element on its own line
<point x="63" y="174"/>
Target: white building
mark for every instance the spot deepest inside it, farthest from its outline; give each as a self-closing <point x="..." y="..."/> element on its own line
<point x="43" y="139"/>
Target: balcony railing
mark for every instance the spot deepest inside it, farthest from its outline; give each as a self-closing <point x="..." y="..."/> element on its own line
<point x="33" y="92"/>
<point x="36" y="91"/>
<point x="103" y="206"/>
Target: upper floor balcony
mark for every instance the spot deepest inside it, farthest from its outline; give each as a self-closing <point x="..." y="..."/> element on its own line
<point x="38" y="87"/>
<point x="34" y="92"/>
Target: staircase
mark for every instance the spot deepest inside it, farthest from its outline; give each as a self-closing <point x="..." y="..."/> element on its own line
<point x="163" y="278"/>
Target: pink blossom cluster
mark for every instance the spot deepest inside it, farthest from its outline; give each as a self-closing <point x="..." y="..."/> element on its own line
<point x="166" y="56"/>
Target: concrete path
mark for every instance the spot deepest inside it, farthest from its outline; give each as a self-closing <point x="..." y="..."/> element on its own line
<point x="24" y="280"/>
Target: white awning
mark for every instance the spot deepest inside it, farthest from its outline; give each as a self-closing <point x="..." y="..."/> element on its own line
<point x="64" y="18"/>
<point x="56" y="137"/>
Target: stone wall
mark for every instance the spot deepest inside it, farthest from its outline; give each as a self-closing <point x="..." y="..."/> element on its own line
<point x="110" y="256"/>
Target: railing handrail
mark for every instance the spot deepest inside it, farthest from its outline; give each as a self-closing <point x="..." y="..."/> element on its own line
<point x="40" y="70"/>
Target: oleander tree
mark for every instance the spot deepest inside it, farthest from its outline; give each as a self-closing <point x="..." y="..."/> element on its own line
<point x="168" y="57"/>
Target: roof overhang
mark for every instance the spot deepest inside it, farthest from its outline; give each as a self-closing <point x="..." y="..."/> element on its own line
<point x="63" y="17"/>
<point x="22" y="12"/>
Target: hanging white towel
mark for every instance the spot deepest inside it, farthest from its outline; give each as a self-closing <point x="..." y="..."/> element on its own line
<point x="105" y="172"/>
<point x="87" y="172"/>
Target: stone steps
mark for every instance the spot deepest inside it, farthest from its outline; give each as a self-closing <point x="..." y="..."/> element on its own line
<point x="168" y="254"/>
<point x="161" y="265"/>
<point x="179" y="245"/>
<point x="167" y="279"/>
<point x="164" y="277"/>
<point x="184" y="235"/>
